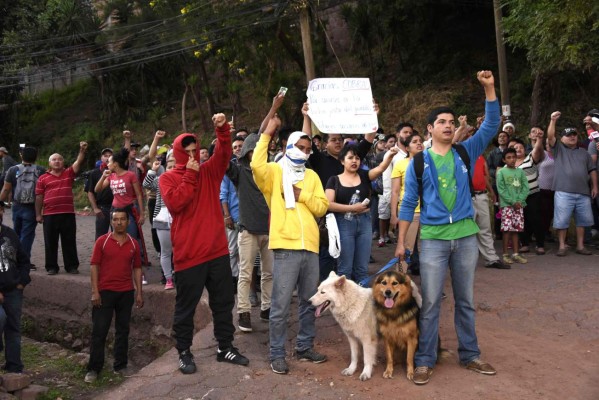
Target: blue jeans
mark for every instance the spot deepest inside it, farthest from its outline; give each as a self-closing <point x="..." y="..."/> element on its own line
<point x="10" y="329"/>
<point x="23" y="220"/>
<point x="356" y="242"/>
<point x="436" y="257"/>
<point x="292" y="268"/>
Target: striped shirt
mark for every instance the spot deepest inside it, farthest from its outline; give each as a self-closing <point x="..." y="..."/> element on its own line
<point x="57" y="192"/>
<point x="532" y="173"/>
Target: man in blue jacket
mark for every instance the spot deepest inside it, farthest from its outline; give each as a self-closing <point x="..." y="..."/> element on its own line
<point x="448" y="233"/>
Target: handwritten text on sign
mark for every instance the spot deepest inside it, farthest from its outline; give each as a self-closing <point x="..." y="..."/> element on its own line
<point x="342" y="105"/>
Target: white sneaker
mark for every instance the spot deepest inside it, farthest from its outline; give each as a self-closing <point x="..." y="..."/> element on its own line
<point x="91" y="377"/>
<point x="143" y="280"/>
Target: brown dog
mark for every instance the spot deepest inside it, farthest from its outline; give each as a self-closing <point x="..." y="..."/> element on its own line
<point x="397" y="314"/>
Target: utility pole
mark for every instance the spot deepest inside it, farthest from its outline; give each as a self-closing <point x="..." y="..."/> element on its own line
<point x="503" y="83"/>
<point x="307" y="41"/>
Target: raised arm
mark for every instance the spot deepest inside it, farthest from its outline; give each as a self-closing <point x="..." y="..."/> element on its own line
<point x="538" y="153"/>
<point x="80" y="157"/>
<point x="277" y="102"/>
<point x="103" y="182"/>
<point x="158" y="136"/>
<point x="307" y="125"/>
<point x="551" y="128"/>
<point x="378" y="171"/>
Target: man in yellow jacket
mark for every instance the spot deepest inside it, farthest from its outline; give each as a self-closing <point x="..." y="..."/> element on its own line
<point x="295" y="197"/>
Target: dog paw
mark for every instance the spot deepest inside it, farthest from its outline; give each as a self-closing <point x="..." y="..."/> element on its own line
<point x="388" y="374"/>
<point x="348" y="371"/>
<point x="410" y="376"/>
<point x="364" y="376"/>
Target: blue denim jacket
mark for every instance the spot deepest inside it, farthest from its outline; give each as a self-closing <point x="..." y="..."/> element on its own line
<point x="433" y="211"/>
<point x="229" y="194"/>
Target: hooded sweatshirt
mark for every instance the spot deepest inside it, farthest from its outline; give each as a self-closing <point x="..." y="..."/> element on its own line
<point x="192" y="198"/>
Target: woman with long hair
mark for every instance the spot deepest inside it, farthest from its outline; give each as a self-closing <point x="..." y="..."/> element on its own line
<point x="413" y="145"/>
<point x="353" y="217"/>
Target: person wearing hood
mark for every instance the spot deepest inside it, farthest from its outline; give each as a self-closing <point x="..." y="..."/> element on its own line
<point x="230" y="204"/>
<point x="14" y="276"/>
<point x="201" y="257"/>
<point x="253" y="235"/>
<point x="296" y="198"/>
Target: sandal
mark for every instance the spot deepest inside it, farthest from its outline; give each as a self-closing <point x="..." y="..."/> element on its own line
<point x="584" y="252"/>
<point x="561" y="252"/>
<point x="524" y="249"/>
<point x="540" y="251"/>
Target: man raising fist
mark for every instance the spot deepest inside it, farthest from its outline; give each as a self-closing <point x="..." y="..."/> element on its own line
<point x="201" y="257"/>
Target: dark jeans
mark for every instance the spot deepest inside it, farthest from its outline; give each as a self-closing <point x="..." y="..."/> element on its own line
<point x="61" y="226"/>
<point x="10" y="329"/>
<point x="103" y="221"/>
<point x="546" y="208"/>
<point x="23" y="220"/>
<point x="374" y="212"/>
<point x="532" y="221"/>
<point x="326" y="263"/>
<point x="151" y="208"/>
<point x="120" y="304"/>
<point x="216" y="276"/>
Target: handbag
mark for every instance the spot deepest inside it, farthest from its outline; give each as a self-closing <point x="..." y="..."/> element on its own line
<point x="164" y="216"/>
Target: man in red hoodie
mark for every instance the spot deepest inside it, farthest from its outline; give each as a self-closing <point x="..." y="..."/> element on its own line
<point x="200" y="249"/>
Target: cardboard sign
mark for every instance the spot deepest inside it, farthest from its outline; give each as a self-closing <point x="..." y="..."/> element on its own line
<point x="342" y="105"/>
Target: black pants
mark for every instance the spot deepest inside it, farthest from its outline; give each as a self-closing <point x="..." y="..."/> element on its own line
<point x="532" y="221"/>
<point x="61" y="226"/>
<point x="120" y="304"/>
<point x="103" y="221"/>
<point x="151" y="208"/>
<point x="216" y="276"/>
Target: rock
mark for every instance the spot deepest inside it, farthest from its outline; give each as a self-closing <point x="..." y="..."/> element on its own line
<point x="12" y="382"/>
<point x="7" y="396"/>
<point x="68" y="338"/>
<point x="32" y="392"/>
<point x="77" y="344"/>
<point x="59" y="336"/>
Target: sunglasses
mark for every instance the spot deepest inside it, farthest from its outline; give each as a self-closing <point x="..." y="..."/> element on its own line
<point x="570" y="132"/>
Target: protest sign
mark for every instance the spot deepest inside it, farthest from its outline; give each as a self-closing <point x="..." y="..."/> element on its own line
<point x="342" y="105"/>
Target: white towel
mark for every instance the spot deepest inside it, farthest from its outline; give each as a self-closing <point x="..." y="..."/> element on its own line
<point x="293" y="164"/>
<point x="334" y="239"/>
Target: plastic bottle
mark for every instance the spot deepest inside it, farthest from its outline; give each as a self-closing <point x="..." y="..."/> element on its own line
<point x="354" y="199"/>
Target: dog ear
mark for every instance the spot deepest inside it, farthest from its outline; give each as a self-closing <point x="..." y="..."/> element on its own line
<point x="332" y="274"/>
<point x="340" y="282"/>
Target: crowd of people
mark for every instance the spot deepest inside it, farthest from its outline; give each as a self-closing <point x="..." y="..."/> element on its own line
<point x="247" y="215"/>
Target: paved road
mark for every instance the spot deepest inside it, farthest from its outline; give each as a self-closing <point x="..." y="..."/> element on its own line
<point x="538" y="324"/>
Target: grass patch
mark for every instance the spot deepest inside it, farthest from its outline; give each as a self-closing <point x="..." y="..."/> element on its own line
<point x="57" y="369"/>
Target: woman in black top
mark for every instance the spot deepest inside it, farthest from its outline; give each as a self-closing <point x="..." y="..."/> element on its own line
<point x="353" y="220"/>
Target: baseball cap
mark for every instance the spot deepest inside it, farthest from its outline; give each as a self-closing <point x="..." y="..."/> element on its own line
<point x="104" y="150"/>
<point x="134" y="144"/>
<point x="569" y="132"/>
<point x="3" y="149"/>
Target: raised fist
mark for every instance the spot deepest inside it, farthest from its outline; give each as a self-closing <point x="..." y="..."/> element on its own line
<point x="219" y="119"/>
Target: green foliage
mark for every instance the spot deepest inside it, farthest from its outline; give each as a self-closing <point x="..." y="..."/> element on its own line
<point x="557" y="35"/>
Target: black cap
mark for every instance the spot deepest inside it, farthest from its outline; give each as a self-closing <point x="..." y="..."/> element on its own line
<point x="107" y="149"/>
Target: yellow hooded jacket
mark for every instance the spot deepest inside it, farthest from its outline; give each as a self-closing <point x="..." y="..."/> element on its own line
<point x="290" y="229"/>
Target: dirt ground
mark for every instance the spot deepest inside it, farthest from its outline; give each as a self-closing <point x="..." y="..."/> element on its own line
<point x="537" y="324"/>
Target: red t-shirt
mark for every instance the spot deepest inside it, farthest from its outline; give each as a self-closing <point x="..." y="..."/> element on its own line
<point x="122" y="189"/>
<point x="57" y="192"/>
<point x="479" y="182"/>
<point x="115" y="263"/>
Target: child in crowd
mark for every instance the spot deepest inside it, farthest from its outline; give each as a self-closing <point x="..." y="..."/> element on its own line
<point x="512" y="186"/>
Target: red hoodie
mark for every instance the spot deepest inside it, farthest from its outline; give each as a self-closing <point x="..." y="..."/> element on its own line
<point x="192" y="198"/>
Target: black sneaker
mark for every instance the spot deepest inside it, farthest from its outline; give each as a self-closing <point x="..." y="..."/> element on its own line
<point x="499" y="265"/>
<point x="186" y="363"/>
<point x="279" y="366"/>
<point x="52" y="272"/>
<point x="245" y="322"/>
<point x="231" y="355"/>
<point x="265" y="315"/>
<point x="311" y="355"/>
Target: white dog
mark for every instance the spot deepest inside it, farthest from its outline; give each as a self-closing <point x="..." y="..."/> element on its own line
<point x="353" y="309"/>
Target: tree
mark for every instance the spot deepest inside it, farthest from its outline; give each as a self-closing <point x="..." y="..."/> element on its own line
<point x="557" y="36"/>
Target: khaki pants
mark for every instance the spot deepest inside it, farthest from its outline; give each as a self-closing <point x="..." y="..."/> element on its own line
<point x="484" y="238"/>
<point x="249" y="245"/>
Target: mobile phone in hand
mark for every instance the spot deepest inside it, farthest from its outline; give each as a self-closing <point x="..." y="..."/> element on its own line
<point x="283" y="91"/>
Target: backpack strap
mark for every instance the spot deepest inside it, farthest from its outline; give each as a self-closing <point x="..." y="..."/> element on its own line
<point x="419" y="170"/>
<point x="461" y="150"/>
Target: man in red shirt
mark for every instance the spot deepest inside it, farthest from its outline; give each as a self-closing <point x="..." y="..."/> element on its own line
<point x="115" y="266"/>
<point x="200" y="249"/>
<point x="54" y="194"/>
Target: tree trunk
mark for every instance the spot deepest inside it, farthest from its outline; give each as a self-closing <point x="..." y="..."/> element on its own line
<point x="543" y="96"/>
<point x="183" y="107"/>
<point x="207" y="128"/>
<point x="208" y="90"/>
